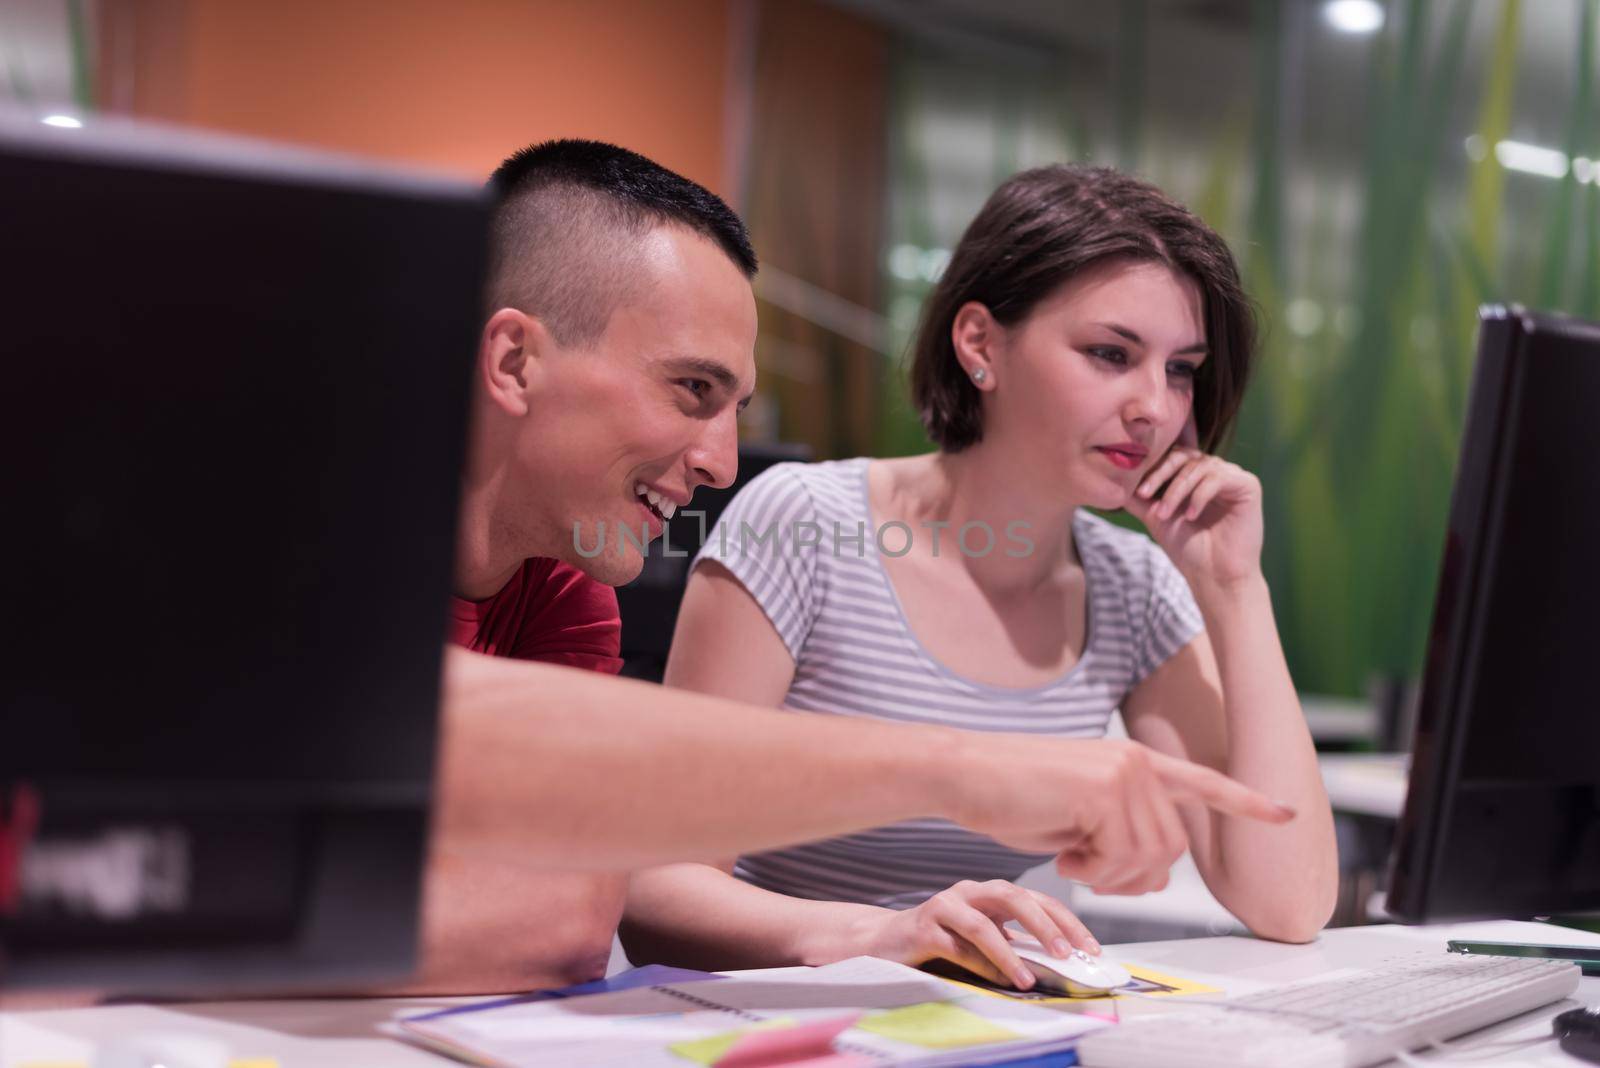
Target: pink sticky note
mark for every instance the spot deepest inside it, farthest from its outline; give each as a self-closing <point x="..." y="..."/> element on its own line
<point x="802" y="1046"/>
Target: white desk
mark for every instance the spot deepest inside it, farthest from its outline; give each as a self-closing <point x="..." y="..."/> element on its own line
<point x="326" y="1034"/>
<point x="1367" y="784"/>
<point x="1339" y="720"/>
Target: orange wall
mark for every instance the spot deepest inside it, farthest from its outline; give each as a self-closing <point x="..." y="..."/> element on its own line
<point x="453" y="84"/>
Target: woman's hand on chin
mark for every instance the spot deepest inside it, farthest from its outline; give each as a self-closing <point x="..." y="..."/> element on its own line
<point x="966" y="924"/>
<point x="1208" y="520"/>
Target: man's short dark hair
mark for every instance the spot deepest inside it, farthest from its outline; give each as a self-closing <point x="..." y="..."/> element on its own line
<point x="568" y="221"/>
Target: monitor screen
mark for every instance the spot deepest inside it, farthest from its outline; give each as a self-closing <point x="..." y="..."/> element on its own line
<point x="1503" y="814"/>
<point x="233" y="420"/>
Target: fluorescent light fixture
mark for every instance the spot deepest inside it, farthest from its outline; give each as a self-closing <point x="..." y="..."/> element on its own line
<point x="912" y="263"/>
<point x="1536" y="160"/>
<point x="905" y="262"/>
<point x="1304" y="316"/>
<point x="1353" y="16"/>
<point x="1531" y="159"/>
<point x="66" y="122"/>
<point x="934" y="261"/>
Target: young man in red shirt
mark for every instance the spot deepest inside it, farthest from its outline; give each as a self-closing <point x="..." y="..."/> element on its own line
<point x="618" y="350"/>
<point x="621" y="325"/>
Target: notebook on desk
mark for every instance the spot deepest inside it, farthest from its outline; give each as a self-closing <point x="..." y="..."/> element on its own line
<point x="862" y="1011"/>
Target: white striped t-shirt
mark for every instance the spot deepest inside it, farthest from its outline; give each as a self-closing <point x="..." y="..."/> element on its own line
<point x="799" y="539"/>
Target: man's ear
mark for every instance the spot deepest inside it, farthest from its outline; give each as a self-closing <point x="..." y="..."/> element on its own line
<point x="977" y="338"/>
<point x="508" y="358"/>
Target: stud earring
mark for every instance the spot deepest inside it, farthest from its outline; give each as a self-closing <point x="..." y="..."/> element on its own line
<point x="980" y="376"/>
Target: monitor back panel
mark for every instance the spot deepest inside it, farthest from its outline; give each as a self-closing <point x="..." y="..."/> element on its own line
<point x="1503" y="817"/>
<point x="233" y="421"/>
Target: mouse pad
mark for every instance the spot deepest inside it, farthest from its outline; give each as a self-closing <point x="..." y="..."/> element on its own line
<point x="1146" y="982"/>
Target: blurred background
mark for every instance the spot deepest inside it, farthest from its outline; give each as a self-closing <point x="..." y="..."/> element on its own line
<point x="1380" y="169"/>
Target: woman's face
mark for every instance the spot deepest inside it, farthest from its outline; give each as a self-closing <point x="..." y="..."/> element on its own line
<point x="1097" y="383"/>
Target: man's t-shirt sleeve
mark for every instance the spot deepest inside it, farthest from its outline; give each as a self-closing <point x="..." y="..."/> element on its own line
<point x="549" y="611"/>
<point x="574" y="621"/>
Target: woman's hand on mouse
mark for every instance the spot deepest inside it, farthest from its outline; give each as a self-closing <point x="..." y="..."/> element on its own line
<point x="1208" y="520"/>
<point x="966" y="924"/>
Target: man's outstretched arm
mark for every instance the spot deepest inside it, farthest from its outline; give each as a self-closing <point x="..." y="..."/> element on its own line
<point x="558" y="768"/>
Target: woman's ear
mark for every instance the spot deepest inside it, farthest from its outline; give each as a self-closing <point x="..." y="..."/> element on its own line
<point x="977" y="338"/>
<point x="508" y="355"/>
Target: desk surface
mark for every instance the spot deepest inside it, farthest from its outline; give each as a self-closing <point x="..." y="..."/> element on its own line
<point x="1368" y="784"/>
<point x="1339" y="720"/>
<point x="329" y="1033"/>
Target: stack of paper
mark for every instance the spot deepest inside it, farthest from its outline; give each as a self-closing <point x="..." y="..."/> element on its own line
<point x="862" y="1011"/>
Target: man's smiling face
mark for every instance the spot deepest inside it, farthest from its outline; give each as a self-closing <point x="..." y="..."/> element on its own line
<point x="623" y="429"/>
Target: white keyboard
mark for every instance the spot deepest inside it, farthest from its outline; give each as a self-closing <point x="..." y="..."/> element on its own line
<point x="1345" y="1022"/>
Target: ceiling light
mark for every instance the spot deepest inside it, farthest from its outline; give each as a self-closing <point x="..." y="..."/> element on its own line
<point x="1304" y="316"/>
<point x="1353" y="16"/>
<point x="905" y="262"/>
<point x="66" y="122"/>
<point x="1531" y="159"/>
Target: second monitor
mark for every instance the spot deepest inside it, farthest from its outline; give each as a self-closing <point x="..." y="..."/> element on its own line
<point x="1503" y="814"/>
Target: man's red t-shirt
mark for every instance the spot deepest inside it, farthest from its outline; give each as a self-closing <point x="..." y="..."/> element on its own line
<point x="549" y="611"/>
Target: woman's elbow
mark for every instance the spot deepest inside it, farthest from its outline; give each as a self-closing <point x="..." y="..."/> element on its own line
<point x="1289" y="929"/>
<point x="1294" y="917"/>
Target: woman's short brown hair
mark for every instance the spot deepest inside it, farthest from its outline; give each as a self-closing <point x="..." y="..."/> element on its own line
<point x="1040" y="229"/>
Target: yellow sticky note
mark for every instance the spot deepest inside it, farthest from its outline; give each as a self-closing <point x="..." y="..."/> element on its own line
<point x="1150" y="984"/>
<point x="712" y="1049"/>
<point x="253" y="1062"/>
<point x="935" y="1025"/>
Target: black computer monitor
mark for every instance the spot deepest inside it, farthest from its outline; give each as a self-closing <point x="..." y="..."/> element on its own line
<point x="1503" y="814"/>
<point x="233" y="400"/>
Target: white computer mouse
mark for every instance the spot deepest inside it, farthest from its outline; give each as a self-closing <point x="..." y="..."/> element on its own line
<point x="1077" y="975"/>
<point x="162" y="1050"/>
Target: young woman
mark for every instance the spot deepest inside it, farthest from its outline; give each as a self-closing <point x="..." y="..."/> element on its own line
<point x="1087" y="347"/>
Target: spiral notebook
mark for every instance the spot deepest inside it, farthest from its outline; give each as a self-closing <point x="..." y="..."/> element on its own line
<point x="858" y="1012"/>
